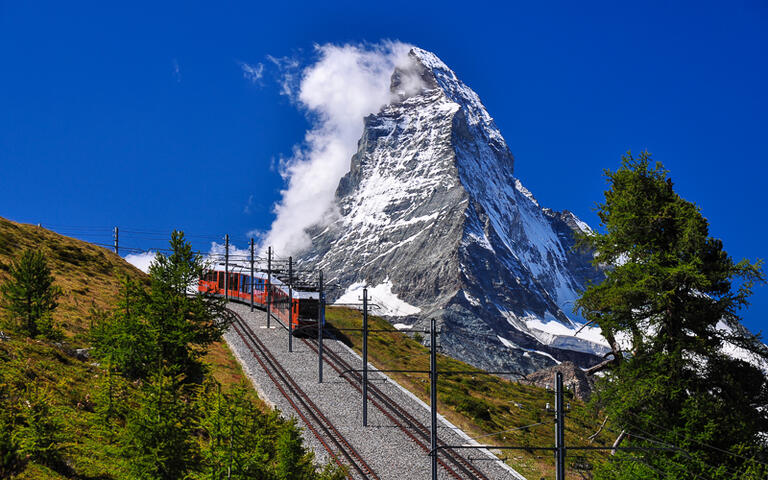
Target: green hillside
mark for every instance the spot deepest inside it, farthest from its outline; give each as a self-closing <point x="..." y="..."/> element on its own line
<point x="67" y="385"/>
<point x="53" y="397"/>
<point x="88" y="275"/>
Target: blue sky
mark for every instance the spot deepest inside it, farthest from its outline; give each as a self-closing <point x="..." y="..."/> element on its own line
<point x="139" y="115"/>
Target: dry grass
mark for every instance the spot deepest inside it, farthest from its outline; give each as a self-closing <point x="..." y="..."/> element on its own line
<point x="89" y="276"/>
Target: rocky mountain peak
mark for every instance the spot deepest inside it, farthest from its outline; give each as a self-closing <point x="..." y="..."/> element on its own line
<point x="433" y="220"/>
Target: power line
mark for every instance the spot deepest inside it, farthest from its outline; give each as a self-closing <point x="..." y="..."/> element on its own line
<point x="664" y="443"/>
<point x="697" y="441"/>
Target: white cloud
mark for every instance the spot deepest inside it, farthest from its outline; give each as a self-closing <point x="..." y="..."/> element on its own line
<point x="236" y="255"/>
<point x="252" y="72"/>
<point x="176" y="70"/>
<point x="141" y="260"/>
<point x="345" y="84"/>
<point x="248" y="206"/>
<point x="289" y="74"/>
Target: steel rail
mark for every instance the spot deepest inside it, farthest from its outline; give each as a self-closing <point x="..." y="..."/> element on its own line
<point x="391" y="409"/>
<point x="264" y="357"/>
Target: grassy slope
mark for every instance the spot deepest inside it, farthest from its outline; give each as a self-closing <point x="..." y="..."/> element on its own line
<point x="90" y="277"/>
<point x="481" y="404"/>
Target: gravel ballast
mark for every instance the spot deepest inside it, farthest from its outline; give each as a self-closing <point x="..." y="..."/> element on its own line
<point x="384" y="446"/>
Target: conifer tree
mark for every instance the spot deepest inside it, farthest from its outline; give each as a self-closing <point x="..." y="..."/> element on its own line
<point x="292" y="461"/>
<point x="669" y="309"/>
<point x="157" y="441"/>
<point x="10" y="417"/>
<point x="170" y="325"/>
<point x="40" y="436"/>
<point x="125" y="338"/>
<point x="235" y="434"/>
<point x="184" y="321"/>
<point x="29" y="296"/>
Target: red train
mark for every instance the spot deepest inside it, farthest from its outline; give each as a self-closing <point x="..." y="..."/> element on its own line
<point x="304" y="304"/>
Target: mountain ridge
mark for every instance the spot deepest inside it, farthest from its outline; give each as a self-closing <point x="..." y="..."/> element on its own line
<point x="431" y="207"/>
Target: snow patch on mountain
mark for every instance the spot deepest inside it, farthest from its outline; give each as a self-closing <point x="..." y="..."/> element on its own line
<point x="430" y="209"/>
<point x="513" y="345"/>
<point x="578" y="337"/>
<point x="381" y="299"/>
<point x="739" y="353"/>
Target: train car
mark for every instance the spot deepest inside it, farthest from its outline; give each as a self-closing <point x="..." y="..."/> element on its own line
<point x="239" y="285"/>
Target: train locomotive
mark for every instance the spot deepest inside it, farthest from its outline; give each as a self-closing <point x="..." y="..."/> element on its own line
<point x="303" y="304"/>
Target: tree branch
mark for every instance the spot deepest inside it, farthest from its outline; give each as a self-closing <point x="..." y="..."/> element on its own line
<point x="600" y="366"/>
<point x="618" y="441"/>
<point x="594" y="435"/>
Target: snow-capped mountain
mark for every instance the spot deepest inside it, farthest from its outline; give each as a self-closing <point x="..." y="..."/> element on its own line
<point x="431" y="217"/>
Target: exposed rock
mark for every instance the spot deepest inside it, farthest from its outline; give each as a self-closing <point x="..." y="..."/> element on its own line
<point x="431" y="215"/>
<point x="83" y="353"/>
<point x="574" y="379"/>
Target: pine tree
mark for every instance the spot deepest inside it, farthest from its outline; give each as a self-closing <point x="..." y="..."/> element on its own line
<point x="184" y="321"/>
<point x="29" y="296"/>
<point x="170" y="325"/>
<point x="125" y="339"/>
<point x="669" y="310"/>
<point x="158" y="441"/>
<point x="240" y="441"/>
<point x="10" y="417"/>
<point x="40" y="436"/>
<point x="234" y="444"/>
<point x="292" y="461"/>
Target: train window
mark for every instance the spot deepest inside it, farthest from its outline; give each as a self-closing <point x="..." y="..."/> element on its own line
<point x="221" y="279"/>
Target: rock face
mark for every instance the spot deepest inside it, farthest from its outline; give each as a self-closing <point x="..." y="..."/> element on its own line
<point x="574" y="379"/>
<point x="431" y="217"/>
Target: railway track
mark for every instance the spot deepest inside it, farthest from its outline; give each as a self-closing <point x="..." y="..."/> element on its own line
<point x="455" y="464"/>
<point x="321" y="427"/>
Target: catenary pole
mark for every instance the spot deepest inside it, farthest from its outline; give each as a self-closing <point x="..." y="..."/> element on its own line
<point x="268" y="285"/>
<point x="559" y="429"/>
<point x="433" y="393"/>
<point x="251" y="282"/>
<point x="116" y="243"/>
<point x="226" y="266"/>
<point x="365" y="356"/>
<point x="290" y="304"/>
<point x="320" y="323"/>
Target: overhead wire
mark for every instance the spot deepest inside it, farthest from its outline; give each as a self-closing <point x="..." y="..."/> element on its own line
<point x="698" y="441"/>
<point x="666" y="444"/>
